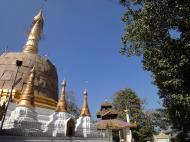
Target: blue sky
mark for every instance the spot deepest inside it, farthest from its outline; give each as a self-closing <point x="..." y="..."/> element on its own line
<point x="82" y="38"/>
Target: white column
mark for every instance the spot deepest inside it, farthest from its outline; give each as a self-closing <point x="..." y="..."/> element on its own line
<point x="128" y="131"/>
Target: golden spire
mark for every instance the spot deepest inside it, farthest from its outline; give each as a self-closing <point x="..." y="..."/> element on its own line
<point x="85" y="109"/>
<point x="34" y="36"/>
<point x="62" y="104"/>
<point x="27" y="97"/>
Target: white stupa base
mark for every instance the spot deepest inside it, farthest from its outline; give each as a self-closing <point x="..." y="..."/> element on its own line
<point x="57" y="125"/>
<point x="83" y="126"/>
<point x="23" y="119"/>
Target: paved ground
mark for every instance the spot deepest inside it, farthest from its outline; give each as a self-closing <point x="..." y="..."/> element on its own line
<point x="48" y="139"/>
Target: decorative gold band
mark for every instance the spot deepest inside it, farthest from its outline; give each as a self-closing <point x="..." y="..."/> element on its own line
<point x="40" y="101"/>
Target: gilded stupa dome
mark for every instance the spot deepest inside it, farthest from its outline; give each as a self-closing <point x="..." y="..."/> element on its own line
<point x="46" y="80"/>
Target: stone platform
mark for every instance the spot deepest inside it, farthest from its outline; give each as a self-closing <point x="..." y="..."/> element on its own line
<point x="49" y="139"/>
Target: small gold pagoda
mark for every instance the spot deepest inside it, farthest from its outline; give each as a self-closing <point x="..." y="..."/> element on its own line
<point x="27" y="97"/>
<point x="85" y="109"/>
<point x="62" y="103"/>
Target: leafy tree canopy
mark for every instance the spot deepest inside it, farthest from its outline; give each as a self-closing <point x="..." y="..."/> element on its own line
<point x="160" y="120"/>
<point x="160" y="31"/>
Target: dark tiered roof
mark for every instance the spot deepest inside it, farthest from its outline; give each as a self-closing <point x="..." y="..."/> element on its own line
<point x="109" y="119"/>
<point x="106" y="111"/>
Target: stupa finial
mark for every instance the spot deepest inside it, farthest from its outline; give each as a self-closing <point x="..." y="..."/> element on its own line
<point x="27" y="97"/>
<point x="85" y="109"/>
<point x="34" y="36"/>
<point x="62" y="104"/>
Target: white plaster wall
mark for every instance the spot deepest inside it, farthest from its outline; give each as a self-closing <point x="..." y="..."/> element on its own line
<point x="57" y="124"/>
<point x="83" y="126"/>
<point x="24" y="118"/>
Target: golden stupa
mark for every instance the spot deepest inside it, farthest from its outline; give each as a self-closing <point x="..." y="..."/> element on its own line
<point x="46" y="80"/>
<point x="27" y="97"/>
<point x="62" y="103"/>
<point x="85" y="109"/>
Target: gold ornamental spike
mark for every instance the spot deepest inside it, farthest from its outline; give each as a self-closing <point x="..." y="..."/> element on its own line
<point x="62" y="104"/>
<point x="27" y="97"/>
<point x="85" y="109"/>
<point x="34" y="36"/>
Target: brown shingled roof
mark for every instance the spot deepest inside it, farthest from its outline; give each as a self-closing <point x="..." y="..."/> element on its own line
<point x="114" y="124"/>
<point x="107" y="112"/>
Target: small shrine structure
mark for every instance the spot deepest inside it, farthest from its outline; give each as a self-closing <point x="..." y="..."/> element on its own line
<point x="116" y="129"/>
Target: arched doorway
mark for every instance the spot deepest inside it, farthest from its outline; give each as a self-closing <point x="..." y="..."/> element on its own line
<point x="70" y="128"/>
<point x="115" y="136"/>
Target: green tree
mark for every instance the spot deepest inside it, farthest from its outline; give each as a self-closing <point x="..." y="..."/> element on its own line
<point x="128" y="99"/>
<point x="159" y="30"/>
